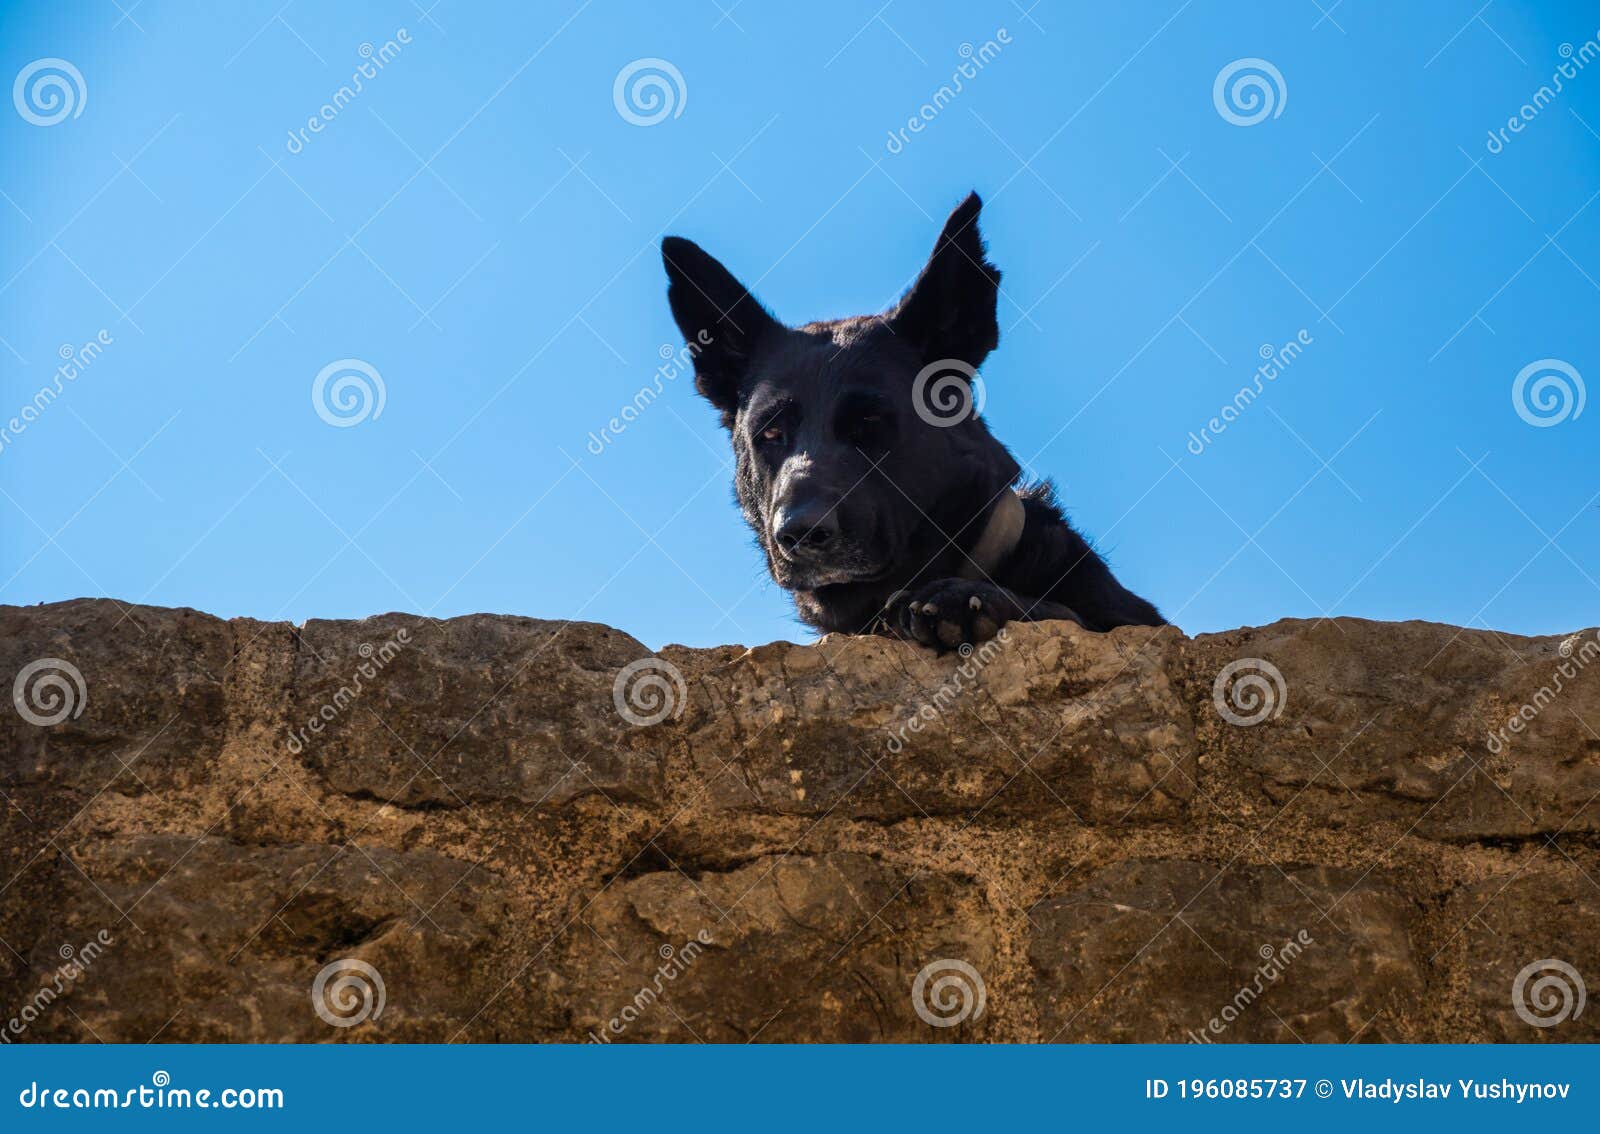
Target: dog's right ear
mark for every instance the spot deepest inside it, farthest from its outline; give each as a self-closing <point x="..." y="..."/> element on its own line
<point x="718" y="313"/>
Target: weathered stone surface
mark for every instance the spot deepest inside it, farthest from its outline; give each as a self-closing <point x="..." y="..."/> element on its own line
<point x="138" y="702"/>
<point x="1544" y="921"/>
<point x="1412" y="721"/>
<point x="781" y="949"/>
<point x="1053" y="720"/>
<point x="479" y="709"/>
<point x="214" y="942"/>
<point x="1172" y="952"/>
<point x="451" y="713"/>
<point x="509" y="820"/>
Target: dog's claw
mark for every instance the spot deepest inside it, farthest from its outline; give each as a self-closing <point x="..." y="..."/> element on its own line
<point x="963" y="613"/>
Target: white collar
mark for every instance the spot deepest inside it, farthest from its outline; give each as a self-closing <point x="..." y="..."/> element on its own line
<point x="998" y="538"/>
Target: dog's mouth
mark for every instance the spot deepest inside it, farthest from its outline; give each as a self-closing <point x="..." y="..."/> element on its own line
<point x="809" y="575"/>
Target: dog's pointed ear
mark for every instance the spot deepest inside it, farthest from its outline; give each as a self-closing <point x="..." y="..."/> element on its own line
<point x="717" y="314"/>
<point x="950" y="310"/>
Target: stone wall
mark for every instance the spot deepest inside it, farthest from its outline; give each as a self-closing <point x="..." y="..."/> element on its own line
<point x="497" y="828"/>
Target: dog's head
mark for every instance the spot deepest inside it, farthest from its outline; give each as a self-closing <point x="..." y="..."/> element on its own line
<point x="858" y="445"/>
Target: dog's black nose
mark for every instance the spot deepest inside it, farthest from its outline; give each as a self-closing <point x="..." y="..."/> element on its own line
<point x="806" y="529"/>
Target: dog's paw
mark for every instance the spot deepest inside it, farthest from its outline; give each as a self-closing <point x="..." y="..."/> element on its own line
<point x="948" y="613"/>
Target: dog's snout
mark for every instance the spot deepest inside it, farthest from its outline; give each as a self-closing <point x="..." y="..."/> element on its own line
<point x="806" y="529"/>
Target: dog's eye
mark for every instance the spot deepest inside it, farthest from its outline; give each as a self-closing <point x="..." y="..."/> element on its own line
<point x="865" y="427"/>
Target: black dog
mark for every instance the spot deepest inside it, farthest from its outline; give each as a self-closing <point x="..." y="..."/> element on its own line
<point x="880" y="498"/>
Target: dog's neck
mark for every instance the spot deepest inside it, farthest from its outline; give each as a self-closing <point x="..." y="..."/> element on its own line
<point x="999" y="536"/>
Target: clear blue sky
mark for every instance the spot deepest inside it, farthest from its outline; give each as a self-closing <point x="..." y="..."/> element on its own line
<point x="479" y="225"/>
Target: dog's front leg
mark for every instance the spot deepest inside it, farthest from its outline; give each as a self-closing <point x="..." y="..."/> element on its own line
<point x="948" y="613"/>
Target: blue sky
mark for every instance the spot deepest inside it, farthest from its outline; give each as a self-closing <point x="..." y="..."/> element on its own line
<point x="478" y="226"/>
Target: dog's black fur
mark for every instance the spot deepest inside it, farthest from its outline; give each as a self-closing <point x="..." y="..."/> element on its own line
<point x="866" y="512"/>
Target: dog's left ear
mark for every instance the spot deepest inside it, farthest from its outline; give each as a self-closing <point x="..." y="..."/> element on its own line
<point x="950" y="311"/>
